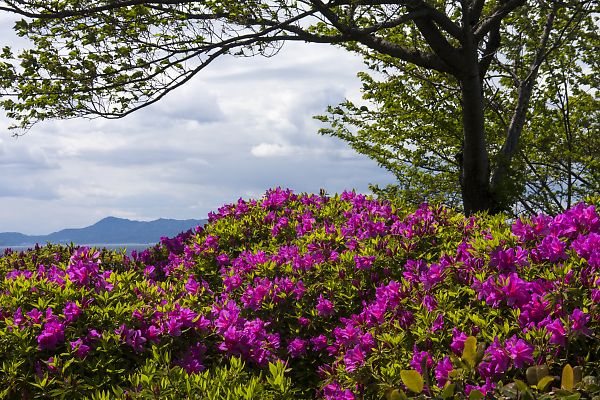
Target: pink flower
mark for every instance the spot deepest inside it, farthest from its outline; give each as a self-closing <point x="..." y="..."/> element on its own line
<point x="334" y="391"/>
<point x="495" y="361"/>
<point x="354" y="358"/>
<point x="81" y="349"/>
<point x="52" y="334"/>
<point x="297" y="347"/>
<point x="519" y="351"/>
<point x="442" y="370"/>
<point x="71" y="311"/>
<point x="418" y="358"/>
<point x="324" y="306"/>
<point x="557" y="330"/>
<point x="458" y="341"/>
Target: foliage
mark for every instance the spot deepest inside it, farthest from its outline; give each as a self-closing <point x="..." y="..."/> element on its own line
<point x="411" y="121"/>
<point x="303" y="296"/>
<point x="111" y="58"/>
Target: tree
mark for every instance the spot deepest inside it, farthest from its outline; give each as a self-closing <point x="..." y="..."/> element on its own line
<point x="413" y="125"/>
<point x="109" y="58"/>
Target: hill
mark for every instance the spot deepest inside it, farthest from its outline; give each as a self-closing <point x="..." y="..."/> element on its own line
<point x="110" y="230"/>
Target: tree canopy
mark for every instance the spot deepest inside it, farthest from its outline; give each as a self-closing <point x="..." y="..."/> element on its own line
<point x="413" y="126"/>
<point x="109" y="58"/>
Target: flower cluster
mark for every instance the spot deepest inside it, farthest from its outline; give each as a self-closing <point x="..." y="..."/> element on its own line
<point x="332" y="286"/>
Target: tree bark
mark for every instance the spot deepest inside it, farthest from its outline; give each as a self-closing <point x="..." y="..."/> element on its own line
<point x="475" y="174"/>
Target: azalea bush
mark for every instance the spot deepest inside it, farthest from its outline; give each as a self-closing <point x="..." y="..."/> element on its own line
<point x="309" y="296"/>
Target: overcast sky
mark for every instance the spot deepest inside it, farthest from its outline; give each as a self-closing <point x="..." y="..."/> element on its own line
<point x="240" y="127"/>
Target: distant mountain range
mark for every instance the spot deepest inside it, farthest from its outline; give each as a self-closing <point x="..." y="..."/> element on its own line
<point x="110" y="230"/>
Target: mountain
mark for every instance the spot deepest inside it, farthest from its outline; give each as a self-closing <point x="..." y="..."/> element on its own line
<point x="110" y="230"/>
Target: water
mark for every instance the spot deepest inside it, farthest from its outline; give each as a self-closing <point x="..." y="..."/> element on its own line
<point x="129" y="247"/>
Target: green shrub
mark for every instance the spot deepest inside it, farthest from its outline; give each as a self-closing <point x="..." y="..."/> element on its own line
<point x="304" y="296"/>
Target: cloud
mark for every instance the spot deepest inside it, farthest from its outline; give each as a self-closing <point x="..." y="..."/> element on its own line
<point x="238" y="128"/>
<point x="272" y="150"/>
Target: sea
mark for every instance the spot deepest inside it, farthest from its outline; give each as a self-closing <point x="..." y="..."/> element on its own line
<point x="129" y="247"/>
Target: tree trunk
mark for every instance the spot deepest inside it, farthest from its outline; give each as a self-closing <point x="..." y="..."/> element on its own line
<point x="475" y="174"/>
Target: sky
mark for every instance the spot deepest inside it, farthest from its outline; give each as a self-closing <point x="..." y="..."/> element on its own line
<point x="240" y="127"/>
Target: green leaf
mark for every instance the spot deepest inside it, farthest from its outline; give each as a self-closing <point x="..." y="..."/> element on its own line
<point x="521" y="385"/>
<point x="470" y="351"/>
<point x="535" y="373"/>
<point x="541" y="385"/>
<point x="448" y="391"/>
<point x="566" y="381"/>
<point x="395" y="394"/>
<point x="476" y="395"/>
<point x="412" y="379"/>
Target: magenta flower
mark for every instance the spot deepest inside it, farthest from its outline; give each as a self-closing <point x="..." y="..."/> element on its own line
<point x="192" y="286"/>
<point x="324" y="306"/>
<point x="507" y="260"/>
<point x="334" y="391"/>
<point x="429" y="302"/>
<point x="437" y="324"/>
<point x="354" y="358"/>
<point x="495" y="361"/>
<point x="458" y="341"/>
<point x="519" y="351"/>
<point x="81" y="349"/>
<point x="52" y="335"/>
<point x="417" y="361"/>
<point x="192" y="361"/>
<point x="557" y="330"/>
<point x="297" y="347"/>
<point x="35" y="315"/>
<point x="515" y="289"/>
<point x="18" y="317"/>
<point x="551" y="249"/>
<point x="319" y="342"/>
<point x="364" y="262"/>
<point x="71" y="311"/>
<point x="135" y="339"/>
<point x="485" y="389"/>
<point x="442" y="369"/>
<point x="579" y="320"/>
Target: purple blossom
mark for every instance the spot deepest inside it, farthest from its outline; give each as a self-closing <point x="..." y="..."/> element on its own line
<point x="417" y="360"/>
<point x="354" y="358"/>
<point x="192" y="286"/>
<point x="319" y="342"/>
<point x="297" y="347"/>
<point x="551" y="249"/>
<point x="557" y="330"/>
<point x="81" y="349"/>
<point x="35" y="315"/>
<point x="495" y="361"/>
<point x="579" y="320"/>
<point x="429" y="302"/>
<point x="442" y="369"/>
<point x="507" y="260"/>
<point x="458" y="341"/>
<point x="324" y="306"/>
<point x="364" y="262"/>
<point x="334" y="391"/>
<point x="192" y="360"/>
<point x="51" y="336"/>
<point x="438" y="323"/>
<point x="485" y="389"/>
<point x="519" y="351"/>
<point x="71" y="311"/>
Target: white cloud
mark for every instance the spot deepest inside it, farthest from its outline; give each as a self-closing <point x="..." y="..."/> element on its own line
<point x="273" y="150"/>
